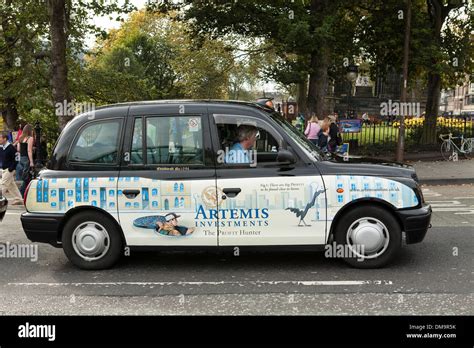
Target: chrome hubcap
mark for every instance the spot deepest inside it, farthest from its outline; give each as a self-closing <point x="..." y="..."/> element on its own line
<point x="90" y="240"/>
<point x="368" y="238"/>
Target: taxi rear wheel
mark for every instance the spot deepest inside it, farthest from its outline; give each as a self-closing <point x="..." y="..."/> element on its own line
<point x="91" y="240"/>
<point x="370" y="235"/>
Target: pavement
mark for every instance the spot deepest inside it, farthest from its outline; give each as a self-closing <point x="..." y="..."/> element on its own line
<point x="432" y="169"/>
<point x="435" y="277"/>
<point x="445" y="172"/>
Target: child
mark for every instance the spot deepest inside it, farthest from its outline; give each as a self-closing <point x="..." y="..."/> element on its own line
<point x="323" y="137"/>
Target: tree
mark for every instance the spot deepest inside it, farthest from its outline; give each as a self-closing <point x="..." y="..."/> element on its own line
<point x="242" y="81"/>
<point x="59" y="76"/>
<point x="152" y="57"/>
<point x="441" y="45"/>
<point x="137" y="57"/>
<point x="69" y="18"/>
<point x="21" y="55"/>
<point x="446" y="57"/>
<point x="306" y="35"/>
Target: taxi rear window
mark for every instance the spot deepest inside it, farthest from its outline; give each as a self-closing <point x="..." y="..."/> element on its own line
<point x="97" y="143"/>
<point x="167" y="140"/>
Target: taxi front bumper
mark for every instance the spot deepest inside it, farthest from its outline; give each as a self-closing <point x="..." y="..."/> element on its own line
<point x="415" y="223"/>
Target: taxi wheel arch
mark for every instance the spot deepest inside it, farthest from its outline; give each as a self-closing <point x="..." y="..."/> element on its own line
<point x="384" y="214"/>
<point x="358" y="203"/>
<point x="104" y="228"/>
<point x="72" y="212"/>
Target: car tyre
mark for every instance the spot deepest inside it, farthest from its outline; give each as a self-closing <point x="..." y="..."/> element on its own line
<point x="372" y="227"/>
<point x="92" y="241"/>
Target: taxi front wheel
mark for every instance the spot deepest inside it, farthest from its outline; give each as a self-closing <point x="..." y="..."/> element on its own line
<point x="91" y="241"/>
<point x="370" y="235"/>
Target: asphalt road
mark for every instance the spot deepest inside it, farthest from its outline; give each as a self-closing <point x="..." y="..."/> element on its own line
<point x="433" y="277"/>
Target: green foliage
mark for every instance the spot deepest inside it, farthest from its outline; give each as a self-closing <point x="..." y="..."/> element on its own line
<point x="25" y="64"/>
<point x="296" y="35"/>
<point x="22" y="66"/>
<point x="381" y="35"/>
<point x="152" y="57"/>
<point x="221" y="49"/>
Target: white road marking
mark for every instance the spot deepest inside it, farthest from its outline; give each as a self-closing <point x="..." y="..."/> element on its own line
<point x="454" y="209"/>
<point x="429" y="193"/>
<point x="472" y="197"/>
<point x="14" y="213"/>
<point x="452" y="206"/>
<point x="447" y="203"/>
<point x="243" y="283"/>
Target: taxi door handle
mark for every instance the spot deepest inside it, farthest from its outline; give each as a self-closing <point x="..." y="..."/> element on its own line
<point x="130" y="194"/>
<point x="231" y="192"/>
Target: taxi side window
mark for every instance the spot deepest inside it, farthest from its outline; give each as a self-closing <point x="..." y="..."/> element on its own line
<point x="168" y="141"/>
<point x="242" y="139"/>
<point x="97" y="143"/>
<point x="136" y="155"/>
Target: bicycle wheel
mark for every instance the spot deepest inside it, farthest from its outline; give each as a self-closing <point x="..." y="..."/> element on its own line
<point x="467" y="149"/>
<point x="446" y="150"/>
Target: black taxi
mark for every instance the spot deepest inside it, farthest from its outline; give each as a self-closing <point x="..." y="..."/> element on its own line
<point x="214" y="174"/>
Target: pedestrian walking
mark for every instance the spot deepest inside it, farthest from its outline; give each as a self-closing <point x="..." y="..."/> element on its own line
<point x="25" y="148"/>
<point x="312" y="129"/>
<point x="16" y="138"/>
<point x="8" y="159"/>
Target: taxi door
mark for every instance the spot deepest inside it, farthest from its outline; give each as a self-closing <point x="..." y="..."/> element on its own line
<point x="165" y="176"/>
<point x="263" y="202"/>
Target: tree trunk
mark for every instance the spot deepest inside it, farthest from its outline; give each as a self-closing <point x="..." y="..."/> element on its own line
<point x="302" y="91"/>
<point x="318" y="79"/>
<point x="320" y="58"/>
<point x="11" y="113"/>
<point x="432" y="107"/>
<point x="437" y="12"/>
<point x="59" y="80"/>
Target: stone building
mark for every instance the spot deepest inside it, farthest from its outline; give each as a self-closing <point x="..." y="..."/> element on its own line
<point x="458" y="101"/>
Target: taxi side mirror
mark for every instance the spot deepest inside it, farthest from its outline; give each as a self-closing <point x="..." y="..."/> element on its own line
<point x="286" y="157"/>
